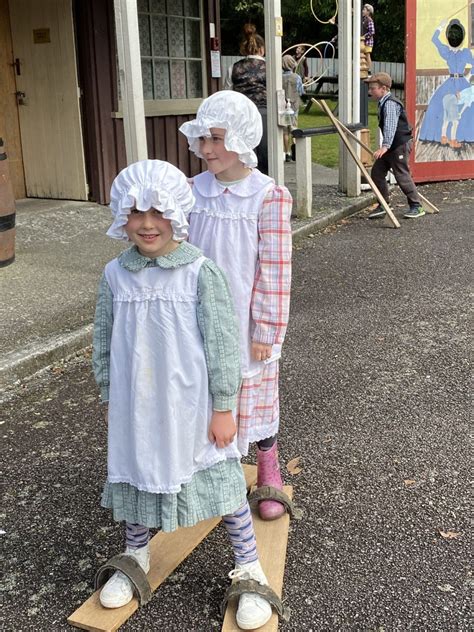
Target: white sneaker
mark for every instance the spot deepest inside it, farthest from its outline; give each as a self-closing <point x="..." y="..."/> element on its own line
<point x="118" y="591"/>
<point x="254" y="610"/>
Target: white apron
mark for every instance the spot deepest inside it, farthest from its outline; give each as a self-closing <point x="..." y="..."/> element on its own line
<point x="160" y="405"/>
<point x="224" y="225"/>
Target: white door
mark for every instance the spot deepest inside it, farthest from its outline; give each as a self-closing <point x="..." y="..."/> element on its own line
<point x="49" y="111"/>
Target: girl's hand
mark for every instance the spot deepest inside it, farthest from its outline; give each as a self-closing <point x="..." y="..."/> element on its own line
<point x="222" y="428"/>
<point x="260" y="351"/>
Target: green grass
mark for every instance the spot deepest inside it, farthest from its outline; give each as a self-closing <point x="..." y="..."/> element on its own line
<point x="325" y="149"/>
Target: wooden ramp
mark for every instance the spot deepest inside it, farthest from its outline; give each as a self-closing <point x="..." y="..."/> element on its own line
<point x="167" y="551"/>
<point x="272" y="538"/>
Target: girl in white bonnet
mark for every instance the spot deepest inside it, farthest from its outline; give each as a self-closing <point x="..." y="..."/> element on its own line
<point x="166" y="359"/>
<point x="241" y="220"/>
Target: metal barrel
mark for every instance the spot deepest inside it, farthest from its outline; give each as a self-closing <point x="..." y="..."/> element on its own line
<point x="7" y="211"/>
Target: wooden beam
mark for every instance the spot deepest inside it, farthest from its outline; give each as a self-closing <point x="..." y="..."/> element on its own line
<point x="273" y="35"/>
<point x="381" y="199"/>
<point x="272" y="539"/>
<point x="130" y="75"/>
<point x="167" y="551"/>
<point x="304" y="178"/>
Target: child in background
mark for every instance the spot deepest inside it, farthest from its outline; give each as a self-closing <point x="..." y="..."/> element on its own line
<point x="166" y="359"/>
<point x="396" y="147"/>
<point x="301" y="66"/>
<point x="249" y="76"/>
<point x="368" y="32"/>
<point x="241" y="220"/>
<point x="293" y="87"/>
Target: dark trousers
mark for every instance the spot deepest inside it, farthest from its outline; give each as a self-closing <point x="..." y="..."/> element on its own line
<point x="262" y="149"/>
<point x="397" y="161"/>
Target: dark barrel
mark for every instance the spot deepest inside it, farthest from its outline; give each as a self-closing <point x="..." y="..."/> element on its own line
<point x="7" y="211"/>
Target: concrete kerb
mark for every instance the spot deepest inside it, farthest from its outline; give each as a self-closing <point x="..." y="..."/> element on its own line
<point x="331" y="217"/>
<point x="20" y="365"/>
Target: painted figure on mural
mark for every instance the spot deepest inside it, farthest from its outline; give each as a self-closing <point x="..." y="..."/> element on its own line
<point x="448" y="120"/>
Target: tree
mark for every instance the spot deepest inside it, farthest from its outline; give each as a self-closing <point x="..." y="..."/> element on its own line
<point x="299" y="24"/>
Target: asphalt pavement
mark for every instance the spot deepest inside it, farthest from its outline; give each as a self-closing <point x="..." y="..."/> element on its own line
<point x="374" y="401"/>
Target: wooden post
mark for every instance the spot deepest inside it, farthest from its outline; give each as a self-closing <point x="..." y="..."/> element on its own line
<point x="349" y="181"/>
<point x="273" y="35"/>
<point x="130" y="74"/>
<point x="304" y="178"/>
<point x="366" y="156"/>
<point x="7" y="212"/>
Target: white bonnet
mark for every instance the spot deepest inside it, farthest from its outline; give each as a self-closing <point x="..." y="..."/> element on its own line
<point x="151" y="184"/>
<point x="235" y="113"/>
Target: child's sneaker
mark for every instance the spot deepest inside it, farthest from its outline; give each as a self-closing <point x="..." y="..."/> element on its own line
<point x="253" y="611"/>
<point x="118" y="591"/>
<point x="414" y="211"/>
<point x="377" y="213"/>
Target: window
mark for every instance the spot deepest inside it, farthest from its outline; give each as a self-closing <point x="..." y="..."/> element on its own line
<point x="171" y="49"/>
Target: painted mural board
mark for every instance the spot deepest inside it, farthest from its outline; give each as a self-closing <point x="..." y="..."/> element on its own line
<point x="440" y="87"/>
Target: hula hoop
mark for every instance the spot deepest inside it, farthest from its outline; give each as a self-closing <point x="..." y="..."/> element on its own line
<point x="313" y="80"/>
<point x="331" y="20"/>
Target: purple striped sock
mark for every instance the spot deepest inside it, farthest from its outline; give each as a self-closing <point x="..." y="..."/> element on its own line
<point x="136" y="536"/>
<point x="239" y="526"/>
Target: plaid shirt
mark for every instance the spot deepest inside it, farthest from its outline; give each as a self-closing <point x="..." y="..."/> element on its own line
<point x="392" y="114"/>
<point x="270" y="305"/>
<point x="368" y="31"/>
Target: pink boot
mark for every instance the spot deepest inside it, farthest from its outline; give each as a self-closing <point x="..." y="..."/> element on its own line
<point x="268" y="473"/>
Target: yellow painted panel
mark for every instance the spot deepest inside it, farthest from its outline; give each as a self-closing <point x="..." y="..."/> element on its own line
<point x="429" y="15"/>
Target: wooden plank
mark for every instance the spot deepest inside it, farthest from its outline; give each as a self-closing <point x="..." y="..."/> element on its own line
<point x="340" y="128"/>
<point x="167" y="551"/>
<point x="427" y="205"/>
<point x="272" y="539"/>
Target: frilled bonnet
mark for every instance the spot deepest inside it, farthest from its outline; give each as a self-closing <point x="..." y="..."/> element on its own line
<point x="151" y="184"/>
<point x="235" y="113"/>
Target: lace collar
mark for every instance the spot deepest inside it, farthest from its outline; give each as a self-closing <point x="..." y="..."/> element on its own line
<point x="208" y="185"/>
<point x="133" y="261"/>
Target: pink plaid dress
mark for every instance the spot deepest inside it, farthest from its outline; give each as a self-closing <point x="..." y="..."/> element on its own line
<point x="245" y="228"/>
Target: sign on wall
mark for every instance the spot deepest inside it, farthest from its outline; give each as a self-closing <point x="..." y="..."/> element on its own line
<point x="440" y="87"/>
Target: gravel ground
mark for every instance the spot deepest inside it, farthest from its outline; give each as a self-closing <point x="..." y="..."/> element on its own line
<point x="374" y="394"/>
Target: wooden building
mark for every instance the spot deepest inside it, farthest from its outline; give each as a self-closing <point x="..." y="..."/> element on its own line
<point x="60" y="109"/>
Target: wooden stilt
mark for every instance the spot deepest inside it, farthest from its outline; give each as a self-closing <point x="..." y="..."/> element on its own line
<point x="358" y="161"/>
<point x="427" y="205"/>
<point x="272" y="538"/>
<point x="167" y="551"/>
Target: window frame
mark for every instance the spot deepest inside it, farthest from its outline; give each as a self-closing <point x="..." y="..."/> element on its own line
<point x="176" y="107"/>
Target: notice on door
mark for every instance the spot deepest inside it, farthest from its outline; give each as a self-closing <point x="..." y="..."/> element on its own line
<point x="41" y="36"/>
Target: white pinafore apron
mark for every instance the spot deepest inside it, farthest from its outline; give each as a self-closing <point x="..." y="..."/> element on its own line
<point x="224" y="225"/>
<point x="160" y="404"/>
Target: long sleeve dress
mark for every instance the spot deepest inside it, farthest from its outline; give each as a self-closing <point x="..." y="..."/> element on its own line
<point x="457" y="60"/>
<point x="245" y="228"/>
<point x="165" y="355"/>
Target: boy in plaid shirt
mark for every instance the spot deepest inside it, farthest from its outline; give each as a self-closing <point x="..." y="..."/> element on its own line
<point x="241" y="220"/>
